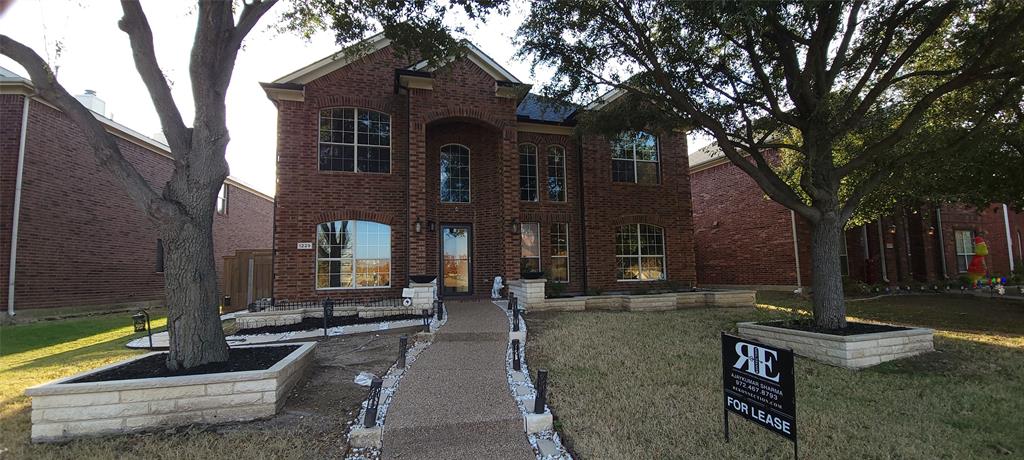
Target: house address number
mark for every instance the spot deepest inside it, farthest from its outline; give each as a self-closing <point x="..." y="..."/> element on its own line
<point x="305" y="246"/>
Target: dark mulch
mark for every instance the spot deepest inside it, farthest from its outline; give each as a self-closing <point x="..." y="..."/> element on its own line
<point x="309" y="324"/>
<point x="240" y="359"/>
<point x="851" y="328"/>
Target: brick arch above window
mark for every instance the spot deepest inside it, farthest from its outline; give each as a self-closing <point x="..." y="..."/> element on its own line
<point x="547" y="217"/>
<point x="639" y="219"/>
<point x="327" y="102"/>
<point x="465" y="112"/>
<point x="358" y="214"/>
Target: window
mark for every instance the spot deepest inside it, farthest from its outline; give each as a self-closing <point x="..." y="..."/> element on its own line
<point x="355" y="140"/>
<point x="556" y="173"/>
<point x="222" y="200"/>
<point x="640" y="253"/>
<point x="454" y="174"/>
<point x="635" y="158"/>
<point x="964" y="249"/>
<point x="353" y="254"/>
<point x="530" y="242"/>
<point x="844" y="256"/>
<point x="528" y="172"/>
<point x="159" y="255"/>
<point x="559" y="253"/>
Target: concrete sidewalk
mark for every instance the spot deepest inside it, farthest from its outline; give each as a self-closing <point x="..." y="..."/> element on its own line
<point x="454" y="403"/>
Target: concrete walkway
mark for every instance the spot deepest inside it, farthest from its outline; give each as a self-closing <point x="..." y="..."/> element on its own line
<point x="454" y="402"/>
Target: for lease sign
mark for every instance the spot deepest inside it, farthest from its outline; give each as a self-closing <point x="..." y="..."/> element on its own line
<point x="758" y="384"/>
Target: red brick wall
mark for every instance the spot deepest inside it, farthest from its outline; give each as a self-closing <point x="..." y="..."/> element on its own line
<point x="991" y="221"/>
<point x="81" y="240"/>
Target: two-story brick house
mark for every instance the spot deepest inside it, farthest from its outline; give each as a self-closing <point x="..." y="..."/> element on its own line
<point x="388" y="168"/>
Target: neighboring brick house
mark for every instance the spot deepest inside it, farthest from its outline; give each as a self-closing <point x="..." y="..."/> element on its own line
<point x="80" y="240"/>
<point x="744" y="238"/>
<point x="388" y="169"/>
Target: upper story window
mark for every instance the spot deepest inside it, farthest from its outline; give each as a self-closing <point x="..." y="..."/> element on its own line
<point x="528" y="172"/>
<point x="355" y="140"/>
<point x="353" y="254"/>
<point x="222" y="200"/>
<point x="454" y="174"/>
<point x="635" y="158"/>
<point x="964" y="249"/>
<point x="556" y="173"/>
<point x="640" y="252"/>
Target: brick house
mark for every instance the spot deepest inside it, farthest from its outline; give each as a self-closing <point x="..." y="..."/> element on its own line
<point x="744" y="238"/>
<point x="79" y="240"/>
<point x="389" y="168"/>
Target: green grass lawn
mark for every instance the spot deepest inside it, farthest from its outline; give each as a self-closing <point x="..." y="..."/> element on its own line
<point x="648" y="385"/>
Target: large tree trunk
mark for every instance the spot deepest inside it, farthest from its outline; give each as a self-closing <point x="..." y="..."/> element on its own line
<point x="829" y="305"/>
<point x="193" y="300"/>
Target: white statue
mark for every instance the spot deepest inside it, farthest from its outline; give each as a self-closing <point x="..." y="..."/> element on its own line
<point x="496" y="287"/>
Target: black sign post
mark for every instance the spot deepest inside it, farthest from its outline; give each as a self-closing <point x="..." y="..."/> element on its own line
<point x="758" y="384"/>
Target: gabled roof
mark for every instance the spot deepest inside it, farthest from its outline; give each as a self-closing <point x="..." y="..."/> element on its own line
<point x="346" y="56"/>
<point x="540" y="109"/>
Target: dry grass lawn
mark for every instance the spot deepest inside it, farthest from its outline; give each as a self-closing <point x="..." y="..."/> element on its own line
<point x="648" y="385"/>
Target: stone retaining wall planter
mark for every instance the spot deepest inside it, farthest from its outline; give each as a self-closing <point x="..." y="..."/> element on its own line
<point x="647" y="302"/>
<point x="851" y="351"/>
<point x="653" y="302"/>
<point x="252" y="320"/>
<point x="62" y="411"/>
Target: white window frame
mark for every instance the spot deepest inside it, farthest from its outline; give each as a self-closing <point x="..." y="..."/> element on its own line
<point x="634" y="160"/>
<point x="565" y="180"/>
<point x="222" y="200"/>
<point x="469" y="177"/>
<point x="640" y="254"/>
<point x="355" y="239"/>
<point x="568" y="272"/>
<point x="540" y="249"/>
<point x="355" y="141"/>
<point x="960" y="252"/>
<point x="536" y="172"/>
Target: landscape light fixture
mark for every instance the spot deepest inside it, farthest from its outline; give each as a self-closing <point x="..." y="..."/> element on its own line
<point x="141" y="321"/>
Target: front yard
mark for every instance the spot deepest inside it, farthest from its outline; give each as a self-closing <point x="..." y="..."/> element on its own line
<point x="312" y="425"/>
<point x="648" y="385"/>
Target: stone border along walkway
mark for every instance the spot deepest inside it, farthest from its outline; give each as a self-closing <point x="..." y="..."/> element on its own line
<point x="454" y="404"/>
<point x="539" y="427"/>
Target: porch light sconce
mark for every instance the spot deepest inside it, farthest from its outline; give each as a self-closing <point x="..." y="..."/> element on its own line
<point x="892" y="229"/>
<point x="419" y="225"/>
<point x="431" y="226"/>
<point x="931" y="231"/>
<point x="515" y="225"/>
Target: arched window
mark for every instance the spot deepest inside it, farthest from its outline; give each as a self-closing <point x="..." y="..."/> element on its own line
<point x="556" y="173"/>
<point x="640" y="252"/>
<point x="635" y="158"/>
<point x="353" y="254"/>
<point x="528" y="172"/>
<point x="454" y="174"/>
<point x="355" y="140"/>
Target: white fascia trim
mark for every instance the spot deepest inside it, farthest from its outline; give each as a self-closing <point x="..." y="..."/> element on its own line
<point x="335" y="61"/>
<point x="480" y="59"/>
<point x="1009" y="236"/>
<point x="605" y="99"/>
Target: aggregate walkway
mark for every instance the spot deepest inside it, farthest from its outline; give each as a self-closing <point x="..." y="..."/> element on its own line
<point x="454" y="402"/>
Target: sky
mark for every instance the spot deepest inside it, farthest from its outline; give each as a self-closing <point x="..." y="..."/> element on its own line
<point x="80" y="39"/>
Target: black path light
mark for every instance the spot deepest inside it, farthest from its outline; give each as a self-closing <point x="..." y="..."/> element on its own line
<point x="426" y="319"/>
<point x="515" y="318"/>
<point x="372" y="402"/>
<point x="403" y="343"/>
<point x="328" y="314"/>
<point x="542" y="392"/>
<point x="516" y="359"/>
<point x="511" y="300"/>
<point x="439" y="308"/>
<point x="141" y="321"/>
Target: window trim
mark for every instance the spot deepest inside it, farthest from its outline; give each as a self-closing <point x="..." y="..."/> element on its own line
<point x="565" y="179"/>
<point x="536" y="171"/>
<point x="469" y="168"/>
<point x="222" y="210"/>
<point x="540" y="248"/>
<point x="657" y="150"/>
<point x="844" y="255"/>
<point x="639" y="249"/>
<point x="355" y="286"/>
<point x="355" y="144"/>
<point x="568" y="272"/>
<point x="966" y="255"/>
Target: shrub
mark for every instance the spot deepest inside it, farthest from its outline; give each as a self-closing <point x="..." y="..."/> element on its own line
<point x="553" y="289"/>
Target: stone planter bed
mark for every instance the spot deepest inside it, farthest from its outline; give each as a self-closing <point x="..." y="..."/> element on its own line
<point x="87" y="404"/>
<point x="646" y="302"/>
<point x="311" y="323"/>
<point x="853" y="351"/>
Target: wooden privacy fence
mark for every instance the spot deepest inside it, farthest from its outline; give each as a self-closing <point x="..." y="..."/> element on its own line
<point x="248" y="276"/>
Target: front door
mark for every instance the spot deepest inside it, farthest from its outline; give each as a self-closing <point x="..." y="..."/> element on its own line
<point x="456" y="272"/>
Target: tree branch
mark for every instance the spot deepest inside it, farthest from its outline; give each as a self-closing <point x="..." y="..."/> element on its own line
<point x="104" y="145"/>
<point x="251" y="14"/>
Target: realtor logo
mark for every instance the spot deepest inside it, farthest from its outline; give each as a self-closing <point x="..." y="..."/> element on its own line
<point x="757" y="360"/>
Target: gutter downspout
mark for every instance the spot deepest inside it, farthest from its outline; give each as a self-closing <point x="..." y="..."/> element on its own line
<point x="17" y="208"/>
<point x="942" y="242"/>
<point x="796" y="249"/>
<point x="881" y="251"/>
<point x="1009" y="238"/>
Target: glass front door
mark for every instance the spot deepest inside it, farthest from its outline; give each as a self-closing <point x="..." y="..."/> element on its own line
<point x="455" y="263"/>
